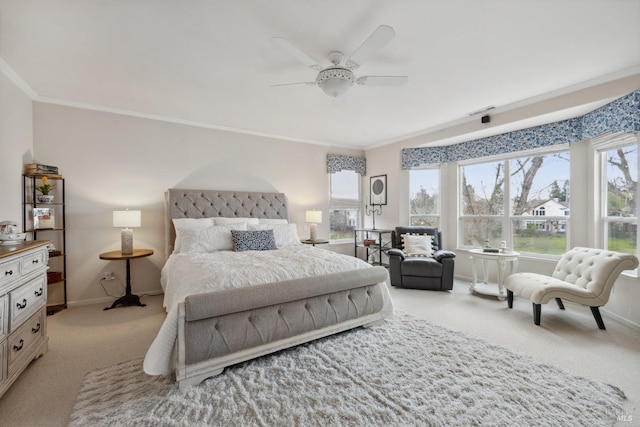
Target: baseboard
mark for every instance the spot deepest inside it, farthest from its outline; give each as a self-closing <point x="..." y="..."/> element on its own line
<point x="106" y="300"/>
<point x="624" y="321"/>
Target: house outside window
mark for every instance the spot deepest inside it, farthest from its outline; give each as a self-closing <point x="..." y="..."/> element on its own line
<point x="424" y="197"/>
<point x="522" y="199"/>
<point x="618" y="161"/>
<point x="344" y="205"/>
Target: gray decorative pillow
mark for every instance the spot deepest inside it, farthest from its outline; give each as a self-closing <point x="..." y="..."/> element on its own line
<point x="260" y="240"/>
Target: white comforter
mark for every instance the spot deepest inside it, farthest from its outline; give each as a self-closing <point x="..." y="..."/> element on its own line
<point x="187" y="274"/>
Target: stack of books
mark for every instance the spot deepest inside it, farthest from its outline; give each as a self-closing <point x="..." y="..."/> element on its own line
<point x="40" y="169"/>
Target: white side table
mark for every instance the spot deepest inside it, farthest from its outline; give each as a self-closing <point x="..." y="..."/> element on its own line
<point x="501" y="260"/>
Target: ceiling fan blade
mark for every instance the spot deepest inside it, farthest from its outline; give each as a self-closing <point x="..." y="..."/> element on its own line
<point x="380" y="37"/>
<point x="382" y="80"/>
<point x="286" y="46"/>
<point x="293" y="84"/>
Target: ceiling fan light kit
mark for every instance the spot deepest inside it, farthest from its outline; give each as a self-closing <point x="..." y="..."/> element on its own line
<point x="336" y="79"/>
<point x="335" y="82"/>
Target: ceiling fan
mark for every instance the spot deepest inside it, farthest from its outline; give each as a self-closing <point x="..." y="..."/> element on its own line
<point x="336" y="79"/>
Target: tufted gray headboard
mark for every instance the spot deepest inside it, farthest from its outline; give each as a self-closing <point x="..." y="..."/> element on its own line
<point x="183" y="203"/>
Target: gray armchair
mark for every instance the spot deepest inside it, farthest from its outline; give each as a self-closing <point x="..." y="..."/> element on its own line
<point x="431" y="273"/>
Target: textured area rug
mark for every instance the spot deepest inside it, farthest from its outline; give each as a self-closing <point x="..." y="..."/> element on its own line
<point x="406" y="371"/>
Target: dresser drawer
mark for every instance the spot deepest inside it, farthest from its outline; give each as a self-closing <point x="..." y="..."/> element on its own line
<point x="9" y="271"/>
<point x="26" y="300"/>
<point x="4" y="316"/>
<point x="32" y="262"/>
<point x="21" y="343"/>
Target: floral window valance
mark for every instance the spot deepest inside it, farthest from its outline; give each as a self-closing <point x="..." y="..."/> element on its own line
<point x="340" y="162"/>
<point x="621" y="115"/>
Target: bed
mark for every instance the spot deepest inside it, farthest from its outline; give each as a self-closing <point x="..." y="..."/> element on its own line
<point x="226" y="305"/>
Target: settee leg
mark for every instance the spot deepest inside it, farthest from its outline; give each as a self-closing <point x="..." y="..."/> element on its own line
<point x="598" y="317"/>
<point x="560" y="304"/>
<point x="510" y="298"/>
<point x="536" y="313"/>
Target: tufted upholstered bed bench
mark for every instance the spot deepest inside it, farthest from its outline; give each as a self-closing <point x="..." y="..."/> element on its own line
<point x="582" y="275"/>
<point x="206" y="331"/>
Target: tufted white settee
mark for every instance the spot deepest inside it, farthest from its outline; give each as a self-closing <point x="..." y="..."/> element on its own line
<point x="583" y="275"/>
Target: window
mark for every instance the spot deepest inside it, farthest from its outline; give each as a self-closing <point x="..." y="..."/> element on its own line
<point x="523" y="200"/>
<point x="424" y="197"/>
<point x="619" y="188"/>
<point x="345" y="204"/>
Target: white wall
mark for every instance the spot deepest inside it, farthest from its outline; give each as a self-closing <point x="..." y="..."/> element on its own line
<point x="113" y="161"/>
<point x="387" y="160"/>
<point x="16" y="147"/>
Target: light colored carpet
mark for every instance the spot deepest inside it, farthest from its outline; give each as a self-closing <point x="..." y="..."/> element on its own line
<point x="404" y="372"/>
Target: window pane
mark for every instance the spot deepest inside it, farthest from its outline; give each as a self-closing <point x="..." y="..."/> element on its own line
<point x="482" y="189"/>
<point x="423" y="194"/>
<point x="426" y="221"/>
<point x="345" y="185"/>
<point x="540" y="236"/>
<point x="540" y="185"/>
<point x="622" y="175"/>
<point x="343" y="222"/>
<point x="476" y="230"/>
<point x="344" y="204"/>
<point x="621" y="237"/>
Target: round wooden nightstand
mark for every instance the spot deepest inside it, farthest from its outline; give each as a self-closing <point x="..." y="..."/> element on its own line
<point x="128" y="298"/>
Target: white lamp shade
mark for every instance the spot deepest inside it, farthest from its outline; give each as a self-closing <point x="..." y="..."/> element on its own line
<point x="313" y="216"/>
<point x="127" y="219"/>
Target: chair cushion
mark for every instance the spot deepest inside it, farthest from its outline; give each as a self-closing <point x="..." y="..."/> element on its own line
<point x="420" y="266"/>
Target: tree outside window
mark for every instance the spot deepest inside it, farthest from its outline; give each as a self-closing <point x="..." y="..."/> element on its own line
<point x="620" y="184"/>
<point x="424" y="197"/>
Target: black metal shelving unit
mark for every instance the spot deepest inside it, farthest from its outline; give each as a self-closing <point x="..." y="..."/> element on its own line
<point x="56" y="234"/>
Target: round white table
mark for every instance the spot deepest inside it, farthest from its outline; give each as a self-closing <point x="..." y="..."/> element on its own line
<point x="502" y="259"/>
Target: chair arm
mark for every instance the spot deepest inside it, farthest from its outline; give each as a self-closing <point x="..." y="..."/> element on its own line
<point x="396" y="252"/>
<point x="441" y="254"/>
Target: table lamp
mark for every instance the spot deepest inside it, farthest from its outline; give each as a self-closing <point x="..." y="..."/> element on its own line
<point x="126" y="219"/>
<point x="314" y="217"/>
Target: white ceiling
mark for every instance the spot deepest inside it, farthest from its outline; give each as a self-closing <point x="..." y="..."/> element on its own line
<point x="211" y="62"/>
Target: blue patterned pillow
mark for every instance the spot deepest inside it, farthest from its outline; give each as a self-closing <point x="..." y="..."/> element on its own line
<point x="260" y="240"/>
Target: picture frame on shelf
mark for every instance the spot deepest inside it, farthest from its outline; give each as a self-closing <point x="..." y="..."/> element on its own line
<point x="43" y="218"/>
<point x="378" y="190"/>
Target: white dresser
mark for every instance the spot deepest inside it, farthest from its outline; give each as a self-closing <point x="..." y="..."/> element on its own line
<point x="23" y="299"/>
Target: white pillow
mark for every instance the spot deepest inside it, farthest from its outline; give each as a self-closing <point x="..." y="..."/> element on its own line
<point x="209" y="239"/>
<point x="188" y="223"/>
<point x="285" y="234"/>
<point x="272" y="221"/>
<point x="418" y="245"/>
<point x="226" y="221"/>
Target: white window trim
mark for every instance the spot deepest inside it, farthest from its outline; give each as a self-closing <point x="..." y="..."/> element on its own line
<point x="601" y="146"/>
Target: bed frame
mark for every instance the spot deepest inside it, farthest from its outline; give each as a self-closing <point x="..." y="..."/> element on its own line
<point x="222" y="328"/>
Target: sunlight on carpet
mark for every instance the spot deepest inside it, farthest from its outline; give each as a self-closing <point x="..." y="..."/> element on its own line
<point x="406" y="371"/>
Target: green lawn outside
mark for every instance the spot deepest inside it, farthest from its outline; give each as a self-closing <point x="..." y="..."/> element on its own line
<point x="557" y="245"/>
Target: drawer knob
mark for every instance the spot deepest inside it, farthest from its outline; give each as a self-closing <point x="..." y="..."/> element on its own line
<point x="23" y="305"/>
<point x="8" y="272"/>
<point x="38" y="292"/>
<point x="19" y="347"/>
<point x="36" y="329"/>
<point x="35" y="261"/>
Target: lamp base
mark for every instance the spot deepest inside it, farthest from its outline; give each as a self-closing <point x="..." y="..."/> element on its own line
<point x="127" y="241"/>
<point x="313" y="233"/>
